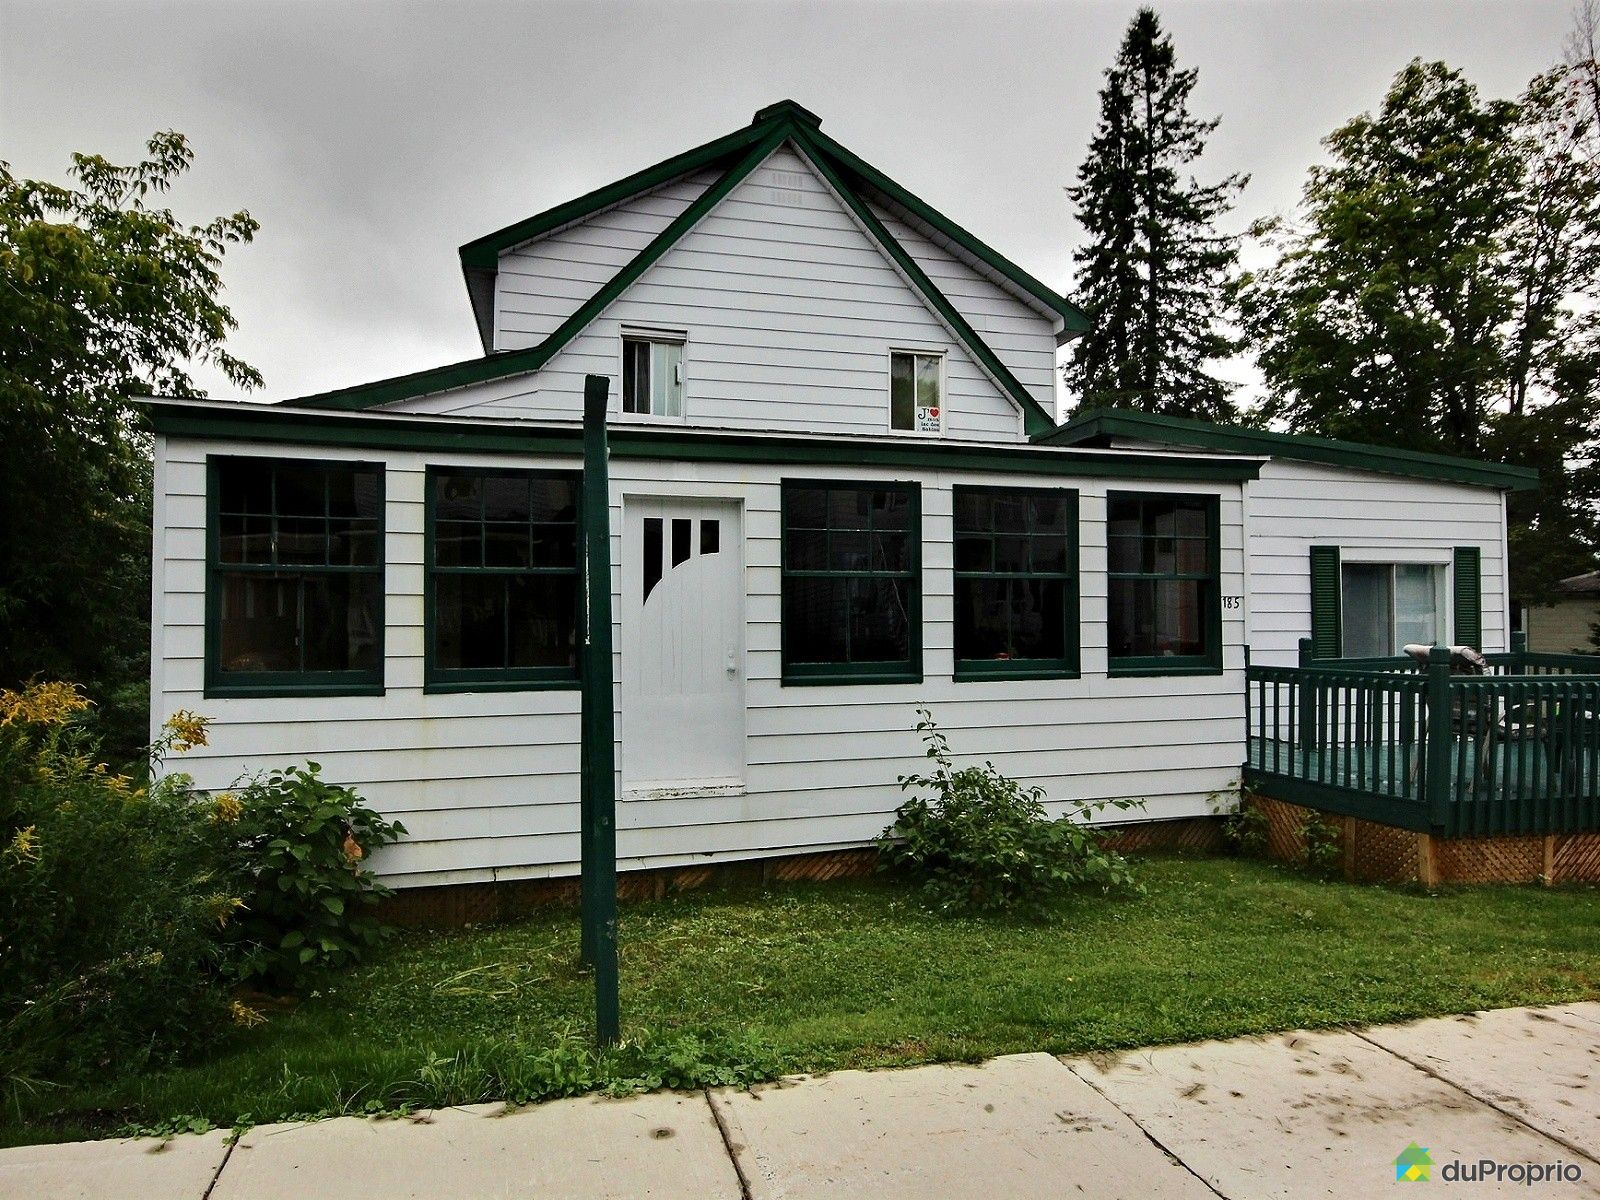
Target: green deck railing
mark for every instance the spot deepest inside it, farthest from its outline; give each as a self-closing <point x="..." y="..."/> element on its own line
<point x="1513" y="751"/>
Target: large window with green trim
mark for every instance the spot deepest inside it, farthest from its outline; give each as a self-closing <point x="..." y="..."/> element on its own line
<point x="1016" y="582"/>
<point x="852" y="582"/>
<point x="502" y="579"/>
<point x="294" y="577"/>
<point x="1164" y="604"/>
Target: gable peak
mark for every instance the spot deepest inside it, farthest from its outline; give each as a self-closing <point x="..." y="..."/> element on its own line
<point x="787" y="108"/>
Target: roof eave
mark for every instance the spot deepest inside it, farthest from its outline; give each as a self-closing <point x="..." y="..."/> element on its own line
<point x="484" y="252"/>
<point x="288" y="424"/>
<point x="1087" y="427"/>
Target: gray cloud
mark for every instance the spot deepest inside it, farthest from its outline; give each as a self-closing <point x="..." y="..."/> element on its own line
<point x="371" y="139"/>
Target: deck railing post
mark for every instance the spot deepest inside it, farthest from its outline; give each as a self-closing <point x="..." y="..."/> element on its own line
<point x="1306" y="734"/>
<point x="1437" y="771"/>
<point x="1519" y="651"/>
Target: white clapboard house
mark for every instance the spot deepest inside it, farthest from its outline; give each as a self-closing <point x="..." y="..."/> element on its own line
<point x="838" y="491"/>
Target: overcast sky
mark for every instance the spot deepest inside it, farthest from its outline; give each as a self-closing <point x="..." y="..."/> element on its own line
<point x="371" y="139"/>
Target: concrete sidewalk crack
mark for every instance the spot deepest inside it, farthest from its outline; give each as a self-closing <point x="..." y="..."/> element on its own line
<point x="1488" y="1101"/>
<point x="217" y="1174"/>
<point x="1150" y="1137"/>
<point x="727" y="1144"/>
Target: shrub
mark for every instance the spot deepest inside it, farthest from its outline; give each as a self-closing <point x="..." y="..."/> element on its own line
<point x="129" y="907"/>
<point x="1324" y="849"/>
<point x="983" y="842"/>
<point x="1244" y="826"/>
<point x="293" y="846"/>
<point x="109" y="911"/>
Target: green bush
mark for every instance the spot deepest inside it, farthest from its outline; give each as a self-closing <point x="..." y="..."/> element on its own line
<point x="1324" y="848"/>
<point x="981" y="842"/>
<point x="130" y="908"/>
<point x="1244" y="825"/>
<point x="293" y="844"/>
<point x="109" y="910"/>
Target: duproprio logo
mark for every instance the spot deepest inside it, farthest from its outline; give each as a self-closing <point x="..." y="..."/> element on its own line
<point x="1414" y="1164"/>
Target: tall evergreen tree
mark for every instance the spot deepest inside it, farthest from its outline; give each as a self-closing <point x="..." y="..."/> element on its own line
<point x="1155" y="272"/>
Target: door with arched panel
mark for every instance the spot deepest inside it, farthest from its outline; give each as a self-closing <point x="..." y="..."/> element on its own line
<point x="683" y="718"/>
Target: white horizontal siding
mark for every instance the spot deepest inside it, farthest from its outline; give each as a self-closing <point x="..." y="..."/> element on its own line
<point x="542" y="283"/>
<point x="487" y="783"/>
<point x="1297" y="505"/>
<point x="1563" y="627"/>
<point x="1013" y="329"/>
<point x="790" y="310"/>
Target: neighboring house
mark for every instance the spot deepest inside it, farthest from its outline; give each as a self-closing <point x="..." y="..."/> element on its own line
<point x="1567" y="624"/>
<point x="838" y="491"/>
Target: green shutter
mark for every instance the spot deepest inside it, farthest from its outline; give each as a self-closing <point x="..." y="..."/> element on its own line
<point x="1325" y="630"/>
<point x="1469" y="597"/>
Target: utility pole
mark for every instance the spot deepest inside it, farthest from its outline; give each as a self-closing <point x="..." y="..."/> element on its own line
<point x="597" y="787"/>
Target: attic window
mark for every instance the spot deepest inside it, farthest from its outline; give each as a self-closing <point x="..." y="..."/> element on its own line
<point x="916" y="392"/>
<point x="652" y="374"/>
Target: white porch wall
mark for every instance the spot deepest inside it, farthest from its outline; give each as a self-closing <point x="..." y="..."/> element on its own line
<point x="487" y="783"/>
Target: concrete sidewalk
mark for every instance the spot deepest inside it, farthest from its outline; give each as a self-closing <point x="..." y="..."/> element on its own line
<point x="1292" y="1115"/>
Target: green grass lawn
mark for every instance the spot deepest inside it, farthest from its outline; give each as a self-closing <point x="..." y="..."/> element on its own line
<point x="857" y="974"/>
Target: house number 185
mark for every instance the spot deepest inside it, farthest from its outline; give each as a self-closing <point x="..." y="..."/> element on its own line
<point x="1233" y="602"/>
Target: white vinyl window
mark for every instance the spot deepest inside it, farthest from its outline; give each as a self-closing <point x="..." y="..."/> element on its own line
<point x="1385" y="606"/>
<point x="652" y="374"/>
<point x="916" y="391"/>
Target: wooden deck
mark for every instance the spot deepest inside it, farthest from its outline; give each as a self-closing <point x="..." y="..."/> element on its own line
<point x="1388" y="769"/>
<point x="1516" y="752"/>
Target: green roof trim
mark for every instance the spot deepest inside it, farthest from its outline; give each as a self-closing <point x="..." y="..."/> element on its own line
<point x="1034" y="417"/>
<point x="1100" y="426"/>
<point x="270" y="423"/>
<point x="1075" y="319"/>
<point x="747" y="148"/>
<point x="482" y="255"/>
<point x="484" y="252"/>
<point x="517" y="362"/>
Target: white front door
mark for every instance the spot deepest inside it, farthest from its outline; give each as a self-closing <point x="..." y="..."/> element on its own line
<point x="682" y="646"/>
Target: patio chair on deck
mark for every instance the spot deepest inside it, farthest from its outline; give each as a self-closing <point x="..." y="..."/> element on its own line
<point x="1465" y="719"/>
<point x="1566" y="737"/>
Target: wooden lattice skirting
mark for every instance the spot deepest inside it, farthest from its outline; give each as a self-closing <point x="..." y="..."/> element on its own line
<point x="1374" y="853"/>
<point x="488" y="903"/>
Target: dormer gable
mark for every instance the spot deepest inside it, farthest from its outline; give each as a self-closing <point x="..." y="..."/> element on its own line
<point x="541" y="287"/>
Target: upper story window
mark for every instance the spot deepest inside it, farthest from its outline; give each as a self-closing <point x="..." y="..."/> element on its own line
<point x="1386" y="606"/>
<point x="852" y="582"/>
<point x="916" y="391"/>
<point x="1164" y="604"/>
<point x="1016" y="582"/>
<point x="294" y="577"/>
<point x="652" y="374"/>
<point x="502" y="561"/>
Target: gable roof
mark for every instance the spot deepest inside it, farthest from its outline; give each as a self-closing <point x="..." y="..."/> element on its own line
<point x="1101" y="426"/>
<point x="1587" y="584"/>
<point x="483" y="253"/>
<point x="736" y="155"/>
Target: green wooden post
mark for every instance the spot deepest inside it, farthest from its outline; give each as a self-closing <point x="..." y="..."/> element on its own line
<point x="1519" y="652"/>
<point x="597" y="788"/>
<point x="1438" y="780"/>
<point x="1308" y="715"/>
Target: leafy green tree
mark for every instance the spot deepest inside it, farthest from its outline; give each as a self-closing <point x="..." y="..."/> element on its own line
<point x="102" y="297"/>
<point x="1154" y="273"/>
<point x="1379" y="320"/>
<point x="1436" y="292"/>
